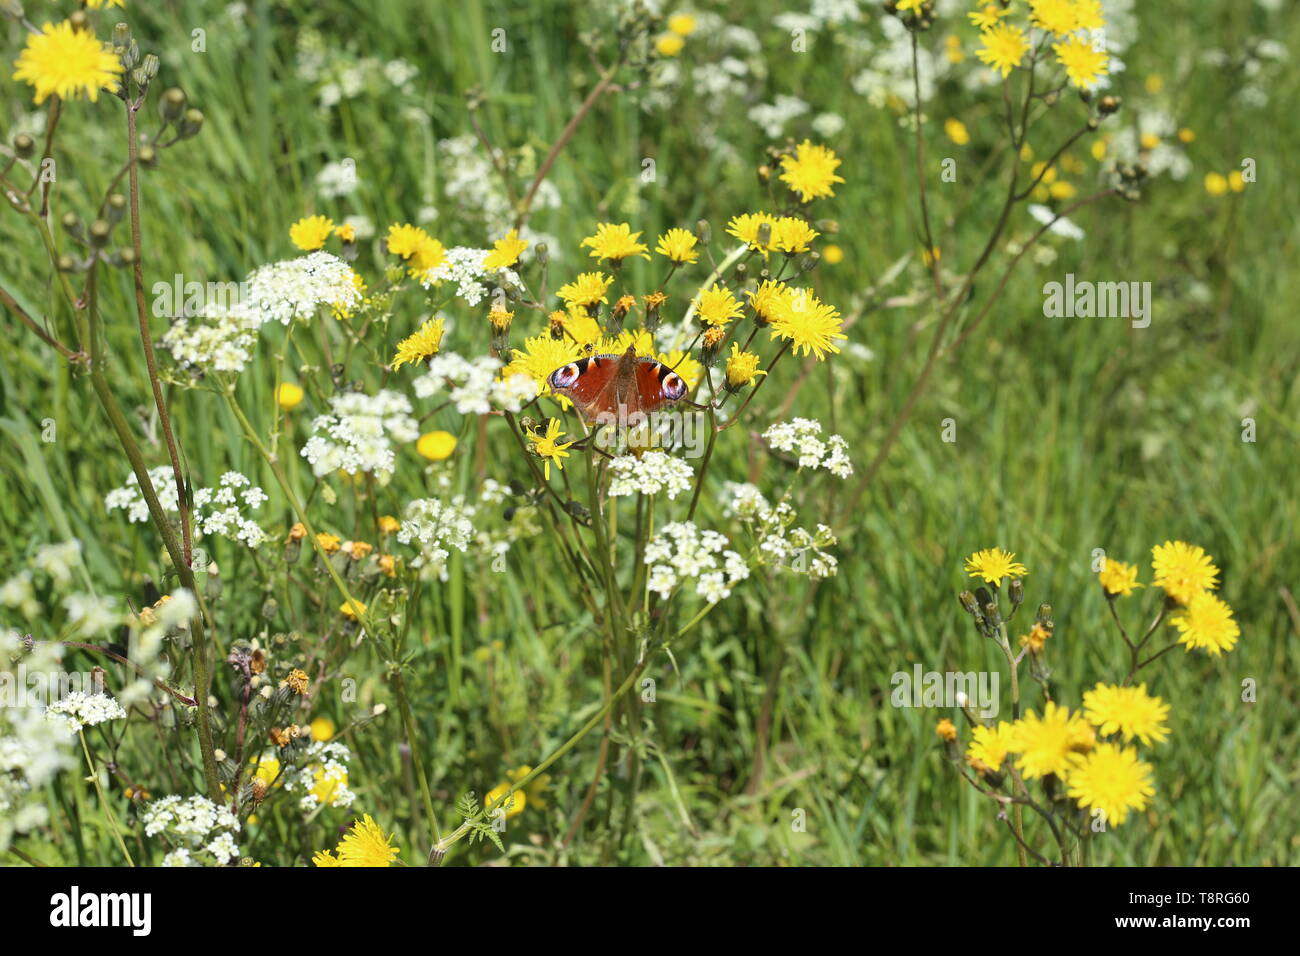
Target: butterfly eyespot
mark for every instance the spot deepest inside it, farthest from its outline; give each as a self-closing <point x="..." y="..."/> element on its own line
<point x="565" y="377"/>
<point x="674" y="387"/>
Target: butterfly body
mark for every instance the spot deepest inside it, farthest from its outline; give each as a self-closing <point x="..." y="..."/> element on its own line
<point x="617" y="387"/>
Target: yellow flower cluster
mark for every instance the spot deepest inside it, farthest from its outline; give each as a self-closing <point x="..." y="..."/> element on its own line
<point x="1188" y="576"/>
<point x="1102" y="776"/>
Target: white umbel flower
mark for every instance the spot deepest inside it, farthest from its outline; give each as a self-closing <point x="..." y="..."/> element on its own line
<point x="649" y="474"/>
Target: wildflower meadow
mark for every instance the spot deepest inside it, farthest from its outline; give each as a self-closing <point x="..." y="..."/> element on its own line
<point x="810" y="433"/>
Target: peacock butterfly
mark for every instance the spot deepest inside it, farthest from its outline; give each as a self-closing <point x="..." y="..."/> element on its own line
<point x="604" y="387"/>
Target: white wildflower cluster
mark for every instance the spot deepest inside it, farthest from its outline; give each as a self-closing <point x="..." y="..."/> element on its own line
<point x="92" y="614"/>
<point x="772" y="528"/>
<point x="471" y="183"/>
<point x="649" y="474"/>
<point x="219" y="341"/>
<point x="802" y="437"/>
<point x="773" y="117"/>
<point x="473" y="385"/>
<point x="322" y="777"/>
<point x="200" y="832"/>
<point x="297" y="288"/>
<point x="681" y="552"/>
<point x="463" y="265"/>
<point x="33" y="750"/>
<point x="337" y="179"/>
<point x="345" y="76"/>
<point x="222" y="336"/>
<point x="433" y="526"/>
<point x="360" y="434"/>
<point x="79" y="710"/>
<point x="58" y="560"/>
<point x="223" y="510"/>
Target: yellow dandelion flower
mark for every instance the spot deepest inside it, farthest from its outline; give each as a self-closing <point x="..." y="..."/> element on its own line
<point x="1206" y="623"/>
<point x="1045" y="743"/>
<point x="749" y="229"/>
<point x="615" y="242"/>
<point x="389" y="525"/>
<point x="65" y="62"/>
<point x="417" y="248"/>
<point x="945" y="729"/>
<point x="421" y="344"/>
<point x="514" y="804"/>
<point x="832" y="255"/>
<point x="288" y="396"/>
<point x="792" y="235"/>
<point x="310" y="232"/>
<point x="742" y="368"/>
<point x="366" y="845"/>
<point x="810" y="172"/>
<point x="1183" y="570"/>
<point x="683" y="24"/>
<point x="546" y="447"/>
<point x="587" y="289"/>
<point x="540" y="356"/>
<point x="1084" y="64"/>
<point x="1236" y="181"/>
<point x="678" y="245"/>
<point x="810" y="325"/>
<point x="768" y="298"/>
<point x="669" y="44"/>
<point x="716" y="306"/>
<point x="1216" y="184"/>
<point x="1004" y="47"/>
<point x="436" y="446"/>
<point x="1130" y="711"/>
<point x="1111" y="779"/>
<point x="505" y="252"/>
<point x="956" y="131"/>
<point x="325" y="858"/>
<point x="352" y="609"/>
<point x="404" y="240"/>
<point x="989" y="745"/>
<point x="322" y="728"/>
<point x="994" y="564"/>
<point x="952" y="48"/>
<point x="1089" y="15"/>
<point x="987" y="15"/>
<point x="1119" y="578"/>
<point x="346" y="232"/>
<point x="329" y="543"/>
<point x="1054" y="16"/>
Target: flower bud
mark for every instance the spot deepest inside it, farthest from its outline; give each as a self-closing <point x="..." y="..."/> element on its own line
<point x="99" y="233"/>
<point x="116" y="208"/>
<point x="190" y="124"/>
<point x="70" y="223"/>
<point x="147" y="157"/>
<point x="24" y="146"/>
<point x="172" y="104"/>
<point x="541" y="253"/>
<point x="703" y="232"/>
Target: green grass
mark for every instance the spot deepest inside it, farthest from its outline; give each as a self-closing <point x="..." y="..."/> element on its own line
<point x="1072" y="434"/>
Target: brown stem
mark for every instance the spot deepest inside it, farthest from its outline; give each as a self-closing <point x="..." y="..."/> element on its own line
<point x="566" y="134"/>
<point x="146" y="339"/>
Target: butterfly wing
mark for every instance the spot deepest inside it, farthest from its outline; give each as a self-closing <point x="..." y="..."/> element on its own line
<point x="602" y="384"/>
<point x="657" y="385"/>
<point x="586" y="383"/>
